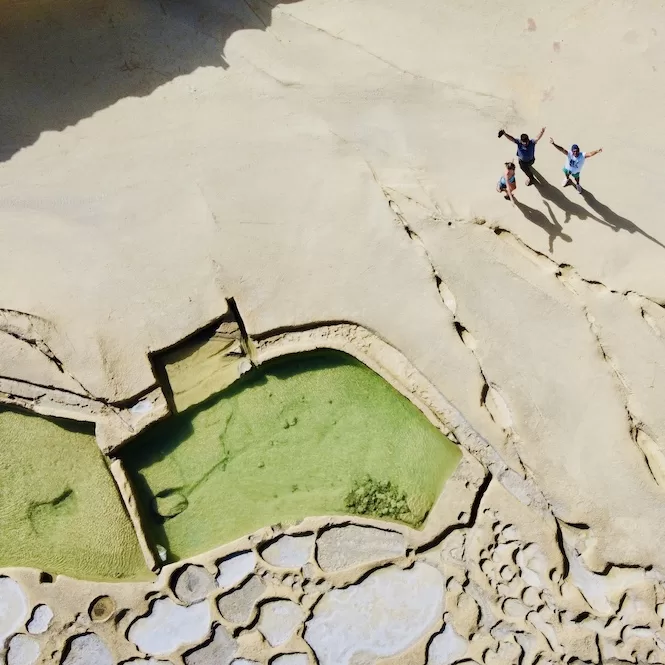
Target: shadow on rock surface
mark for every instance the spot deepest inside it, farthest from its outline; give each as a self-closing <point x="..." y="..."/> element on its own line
<point x="551" y="226"/>
<point x="63" y="60"/>
<point x="614" y="221"/>
<point x="603" y="214"/>
<point x="552" y="193"/>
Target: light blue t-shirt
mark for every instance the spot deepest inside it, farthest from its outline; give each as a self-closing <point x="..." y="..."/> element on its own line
<point x="575" y="164"/>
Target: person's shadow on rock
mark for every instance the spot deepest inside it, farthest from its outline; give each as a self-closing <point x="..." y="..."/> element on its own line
<point x="551" y="226"/>
<point x="616" y="222"/>
<point x="571" y="209"/>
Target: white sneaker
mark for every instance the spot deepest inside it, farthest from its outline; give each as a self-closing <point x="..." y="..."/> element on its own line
<point x="579" y="187"/>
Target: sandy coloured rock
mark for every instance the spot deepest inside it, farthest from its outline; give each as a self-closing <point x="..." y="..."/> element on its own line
<point x="341" y="547"/>
<point x="189" y="191"/>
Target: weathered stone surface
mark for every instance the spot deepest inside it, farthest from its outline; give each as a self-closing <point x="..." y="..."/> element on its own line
<point x="23" y="650"/>
<point x="238" y="606"/>
<point x="101" y="609"/>
<point x="382" y="616"/>
<point x="88" y="649"/>
<point x="289" y="551"/>
<point x="40" y="620"/>
<point x="192" y="584"/>
<point x="243" y="661"/>
<point x="13" y="607"/>
<point x="169" y="626"/>
<point x="446" y="647"/>
<point x="235" y="568"/>
<point x="218" y="651"/>
<point x="144" y="661"/>
<point x="291" y="659"/>
<point x="280" y="620"/>
<point x="347" y="546"/>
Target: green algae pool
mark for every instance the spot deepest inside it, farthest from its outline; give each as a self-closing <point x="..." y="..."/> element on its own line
<point x="60" y="510"/>
<point x="310" y="434"/>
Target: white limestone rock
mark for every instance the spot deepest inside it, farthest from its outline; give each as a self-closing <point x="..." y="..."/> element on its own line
<point x="446" y="647"/>
<point x="289" y="551"/>
<point x="291" y="659"/>
<point x="88" y="649"/>
<point x="169" y="626"/>
<point x="40" y="620"/>
<point x="348" y="546"/>
<point x="279" y="621"/>
<point x="382" y="616"/>
<point x="23" y="650"/>
<point x="13" y="607"/>
<point x="235" y="568"/>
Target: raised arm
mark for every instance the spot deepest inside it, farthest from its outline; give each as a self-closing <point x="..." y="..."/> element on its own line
<point x="558" y="147"/>
<point x="593" y="153"/>
<point x="540" y="135"/>
<point x="508" y="136"/>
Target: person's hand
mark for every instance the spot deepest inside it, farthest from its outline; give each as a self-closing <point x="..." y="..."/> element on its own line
<point x="551" y="140"/>
<point x="501" y="133"/>
<point x="600" y="150"/>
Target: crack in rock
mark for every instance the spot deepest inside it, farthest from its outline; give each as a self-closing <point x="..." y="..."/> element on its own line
<point x="567" y="275"/>
<point x="490" y="397"/>
<point x="24" y="327"/>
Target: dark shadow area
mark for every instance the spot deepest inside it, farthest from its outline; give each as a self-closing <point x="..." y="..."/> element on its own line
<point x="614" y="221"/>
<point x="62" y="61"/>
<point x="603" y="214"/>
<point x="551" y="226"/>
<point x="556" y="196"/>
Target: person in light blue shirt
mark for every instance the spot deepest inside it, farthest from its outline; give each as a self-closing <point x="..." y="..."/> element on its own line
<point x="574" y="162"/>
<point x="526" y="151"/>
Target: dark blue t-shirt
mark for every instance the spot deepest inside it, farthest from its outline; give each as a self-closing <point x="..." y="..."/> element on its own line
<point x="526" y="153"/>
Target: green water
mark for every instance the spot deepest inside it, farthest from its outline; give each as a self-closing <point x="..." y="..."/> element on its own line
<point x="59" y="507"/>
<point x="294" y="438"/>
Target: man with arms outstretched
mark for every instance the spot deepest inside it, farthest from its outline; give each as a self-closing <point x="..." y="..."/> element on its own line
<point x="574" y="163"/>
<point x="526" y="151"/>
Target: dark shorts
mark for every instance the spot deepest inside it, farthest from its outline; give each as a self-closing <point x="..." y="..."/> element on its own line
<point x="526" y="165"/>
